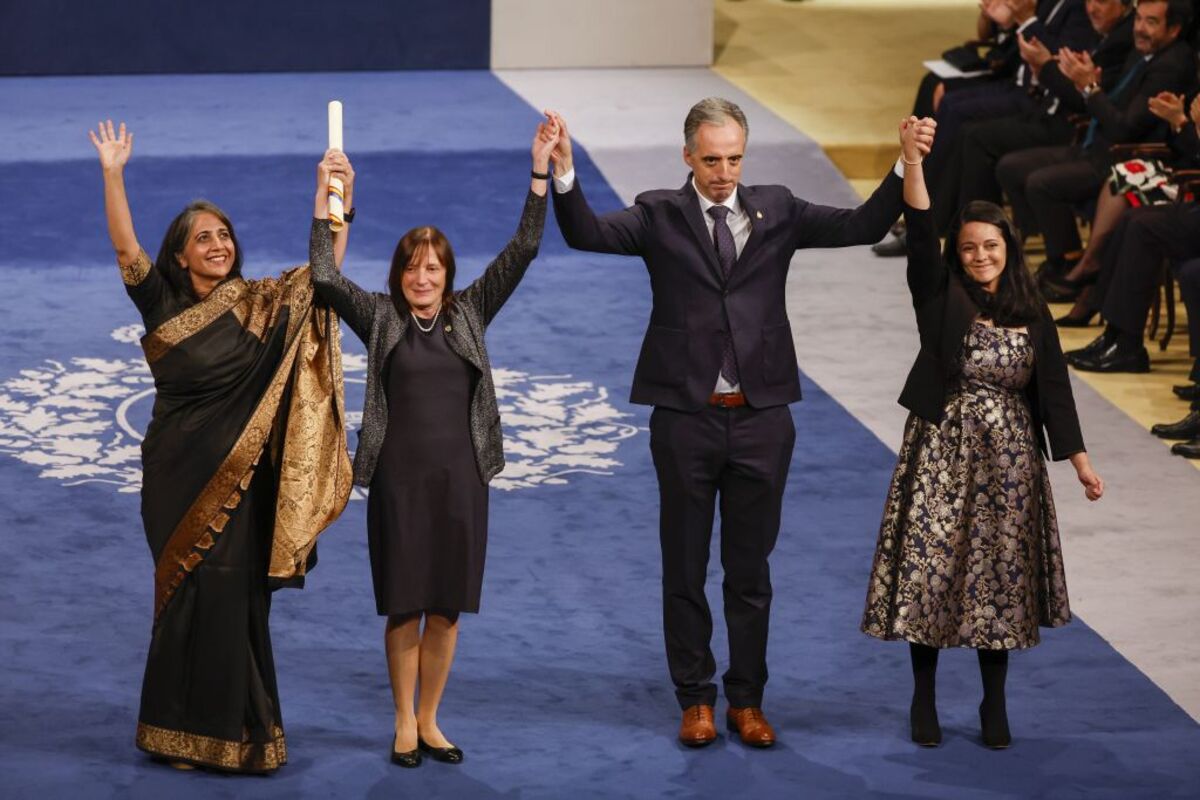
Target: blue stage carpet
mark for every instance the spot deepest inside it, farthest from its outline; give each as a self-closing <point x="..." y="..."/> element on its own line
<point x="560" y="688"/>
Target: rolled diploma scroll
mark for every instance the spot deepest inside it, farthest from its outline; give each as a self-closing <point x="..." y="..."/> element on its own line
<point x="337" y="192"/>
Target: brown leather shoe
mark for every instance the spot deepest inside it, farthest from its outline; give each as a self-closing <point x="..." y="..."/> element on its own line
<point x="751" y="725"/>
<point x="697" y="729"/>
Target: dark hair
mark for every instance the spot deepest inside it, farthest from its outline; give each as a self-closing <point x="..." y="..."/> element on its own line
<point x="1179" y="12"/>
<point x="1017" y="300"/>
<point x="411" y="246"/>
<point x="175" y="240"/>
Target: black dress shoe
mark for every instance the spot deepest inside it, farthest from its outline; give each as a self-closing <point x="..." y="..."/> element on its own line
<point x="898" y="227"/>
<point x="1187" y="449"/>
<point x="889" y="248"/>
<point x="1188" y="391"/>
<point x="409" y="759"/>
<point x="1091" y="348"/>
<point x="1186" y="428"/>
<point x="446" y="755"/>
<point x="1114" y="358"/>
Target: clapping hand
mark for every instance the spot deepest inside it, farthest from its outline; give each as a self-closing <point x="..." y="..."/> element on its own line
<point x="1022" y="10"/>
<point x="114" y="147"/>
<point x="998" y="11"/>
<point x="1169" y="106"/>
<point x="916" y="138"/>
<point x="1194" y="112"/>
<point x="1078" y="66"/>
<point x="1033" y="52"/>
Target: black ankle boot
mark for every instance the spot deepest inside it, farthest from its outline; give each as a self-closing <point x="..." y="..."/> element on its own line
<point x="993" y="711"/>
<point x="922" y="714"/>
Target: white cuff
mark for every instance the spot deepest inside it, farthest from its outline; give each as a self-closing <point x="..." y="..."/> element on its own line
<point x="899" y="168"/>
<point x="1021" y="28"/>
<point x="564" y="184"/>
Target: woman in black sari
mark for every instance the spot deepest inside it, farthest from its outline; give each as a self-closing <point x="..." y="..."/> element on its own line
<point x="244" y="463"/>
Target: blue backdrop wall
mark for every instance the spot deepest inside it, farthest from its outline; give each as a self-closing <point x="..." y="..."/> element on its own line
<point x="80" y="37"/>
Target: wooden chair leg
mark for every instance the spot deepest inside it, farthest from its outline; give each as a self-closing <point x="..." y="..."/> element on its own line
<point x="1169" y="294"/>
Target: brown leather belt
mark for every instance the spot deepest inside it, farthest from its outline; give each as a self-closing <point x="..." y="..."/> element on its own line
<point x="727" y="400"/>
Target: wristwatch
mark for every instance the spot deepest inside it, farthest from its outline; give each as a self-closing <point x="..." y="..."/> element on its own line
<point x="1089" y="90"/>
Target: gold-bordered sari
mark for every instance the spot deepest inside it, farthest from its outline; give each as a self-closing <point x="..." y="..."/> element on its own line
<point x="244" y="464"/>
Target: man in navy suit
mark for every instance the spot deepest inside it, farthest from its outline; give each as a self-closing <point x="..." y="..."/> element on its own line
<point x="719" y="367"/>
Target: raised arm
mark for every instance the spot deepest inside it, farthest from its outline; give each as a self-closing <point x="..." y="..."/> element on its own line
<point x="926" y="272"/>
<point x="349" y="300"/>
<point x="491" y="290"/>
<point x="619" y="232"/>
<point x="335" y="164"/>
<point x="826" y="226"/>
<point x="114" y="148"/>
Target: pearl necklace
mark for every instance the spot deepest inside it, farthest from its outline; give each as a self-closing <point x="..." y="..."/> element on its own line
<point x="432" y="322"/>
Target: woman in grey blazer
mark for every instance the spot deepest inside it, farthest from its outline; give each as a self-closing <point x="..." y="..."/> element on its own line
<point x="430" y="440"/>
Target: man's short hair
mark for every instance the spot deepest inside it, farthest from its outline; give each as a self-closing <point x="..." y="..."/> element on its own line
<point x="711" y="111"/>
<point x="1179" y="12"/>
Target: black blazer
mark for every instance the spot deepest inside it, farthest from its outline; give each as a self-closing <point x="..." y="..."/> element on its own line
<point x="945" y="313"/>
<point x="681" y="352"/>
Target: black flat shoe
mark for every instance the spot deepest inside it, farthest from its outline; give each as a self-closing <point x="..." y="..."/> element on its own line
<point x="1188" y="391"/>
<point x="923" y="723"/>
<point x="446" y="755"/>
<point x="1186" y="428"/>
<point x="1187" y="449"/>
<point x="409" y="759"/>
<point x="993" y="725"/>
<point x="1068" y="321"/>
<point x="1065" y="290"/>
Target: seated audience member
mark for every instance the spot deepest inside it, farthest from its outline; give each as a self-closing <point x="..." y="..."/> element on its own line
<point x="970" y="173"/>
<point x="1135" y="183"/>
<point x="1044" y="183"/>
<point x="1188" y="428"/>
<point x="1054" y="23"/>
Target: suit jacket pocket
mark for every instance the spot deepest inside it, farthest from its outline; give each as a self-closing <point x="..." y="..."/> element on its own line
<point x="664" y="356"/>
<point x="779" y="355"/>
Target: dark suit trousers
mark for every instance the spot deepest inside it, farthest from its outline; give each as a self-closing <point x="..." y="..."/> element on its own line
<point x="971" y="171"/>
<point x="985" y="101"/>
<point x="1044" y="184"/>
<point x="740" y="455"/>
<point x="1188" y="275"/>
<point x="1132" y="259"/>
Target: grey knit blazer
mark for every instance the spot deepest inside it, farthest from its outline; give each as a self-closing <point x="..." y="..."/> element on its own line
<point x="374" y="319"/>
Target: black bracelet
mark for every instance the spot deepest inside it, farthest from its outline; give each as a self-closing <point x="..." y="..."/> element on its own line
<point x="348" y="216"/>
<point x="541" y="176"/>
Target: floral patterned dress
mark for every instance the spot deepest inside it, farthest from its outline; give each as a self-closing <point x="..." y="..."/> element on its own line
<point x="968" y="552"/>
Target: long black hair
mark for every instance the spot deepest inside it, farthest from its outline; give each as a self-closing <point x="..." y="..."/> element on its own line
<point x="175" y="240"/>
<point x="1017" y="301"/>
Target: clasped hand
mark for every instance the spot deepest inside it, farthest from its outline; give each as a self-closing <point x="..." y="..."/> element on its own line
<point x="916" y="138"/>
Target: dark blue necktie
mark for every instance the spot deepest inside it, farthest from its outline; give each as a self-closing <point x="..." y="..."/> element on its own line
<point x="726" y="256"/>
<point x="1121" y="86"/>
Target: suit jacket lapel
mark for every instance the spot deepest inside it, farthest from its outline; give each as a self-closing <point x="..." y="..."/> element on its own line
<point x="689" y="206"/>
<point x="758" y="229"/>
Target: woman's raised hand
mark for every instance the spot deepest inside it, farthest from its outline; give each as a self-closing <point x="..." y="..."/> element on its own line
<point x="335" y="164"/>
<point x="545" y="140"/>
<point x="562" y="158"/>
<point x="114" y="147"/>
<point x="916" y="138"/>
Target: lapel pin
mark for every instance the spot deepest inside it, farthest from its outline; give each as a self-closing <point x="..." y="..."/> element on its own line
<point x="449" y="328"/>
<point x="758" y="214"/>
